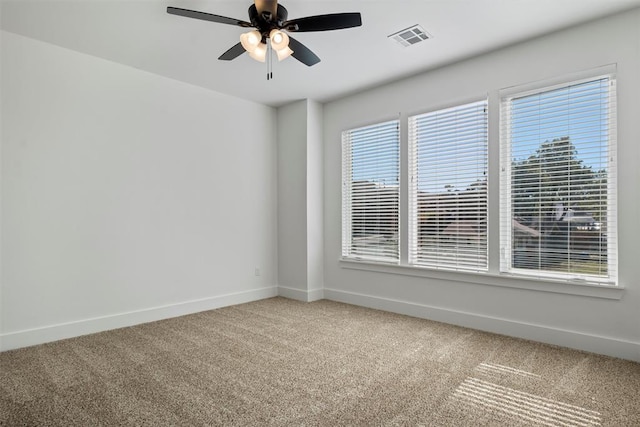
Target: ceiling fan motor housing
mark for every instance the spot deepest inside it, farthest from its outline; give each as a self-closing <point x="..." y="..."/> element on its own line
<point x="264" y="21"/>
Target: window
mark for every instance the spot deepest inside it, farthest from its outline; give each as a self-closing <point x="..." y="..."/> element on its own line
<point x="553" y="202"/>
<point x="558" y="182"/>
<point x="448" y="188"/>
<point x="370" y="192"/>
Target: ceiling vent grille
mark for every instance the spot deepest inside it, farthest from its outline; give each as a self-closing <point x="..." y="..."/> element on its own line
<point x="410" y="36"/>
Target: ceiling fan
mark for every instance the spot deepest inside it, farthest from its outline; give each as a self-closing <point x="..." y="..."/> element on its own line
<point x="271" y="27"/>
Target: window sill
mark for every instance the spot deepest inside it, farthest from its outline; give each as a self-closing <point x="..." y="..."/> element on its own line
<point x="489" y="279"/>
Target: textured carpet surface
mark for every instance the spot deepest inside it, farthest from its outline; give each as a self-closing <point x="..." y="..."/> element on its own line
<point x="282" y="362"/>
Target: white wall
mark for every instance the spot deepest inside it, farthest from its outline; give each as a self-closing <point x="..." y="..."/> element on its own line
<point x="127" y="197"/>
<point x="610" y="326"/>
<point x="300" y="199"/>
<point x="315" y="199"/>
<point x="1" y="145"/>
<point x="292" y="196"/>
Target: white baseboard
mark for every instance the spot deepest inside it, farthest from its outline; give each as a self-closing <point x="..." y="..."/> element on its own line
<point x="571" y="339"/>
<point x="300" y="295"/>
<point x="25" y="338"/>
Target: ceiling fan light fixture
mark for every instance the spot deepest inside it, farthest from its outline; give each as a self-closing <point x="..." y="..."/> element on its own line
<point x="284" y="53"/>
<point x="259" y="53"/>
<point x="250" y="40"/>
<point x="279" y="39"/>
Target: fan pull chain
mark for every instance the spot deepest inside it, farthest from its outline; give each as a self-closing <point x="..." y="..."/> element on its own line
<point x="269" y="60"/>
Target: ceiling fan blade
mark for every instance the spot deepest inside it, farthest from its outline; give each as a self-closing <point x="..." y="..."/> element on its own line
<point x="334" y="21"/>
<point x="302" y="53"/>
<point x="235" y="51"/>
<point x="207" y="16"/>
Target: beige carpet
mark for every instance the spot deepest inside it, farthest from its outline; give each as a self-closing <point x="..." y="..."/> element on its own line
<point x="282" y="362"/>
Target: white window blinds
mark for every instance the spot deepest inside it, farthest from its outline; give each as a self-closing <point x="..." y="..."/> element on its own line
<point x="370" y="192"/>
<point x="558" y="204"/>
<point x="448" y="188"/>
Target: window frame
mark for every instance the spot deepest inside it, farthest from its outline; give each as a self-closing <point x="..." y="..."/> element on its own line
<point x="347" y="250"/>
<point x="505" y="209"/>
<point x="414" y="122"/>
<point x="494" y="277"/>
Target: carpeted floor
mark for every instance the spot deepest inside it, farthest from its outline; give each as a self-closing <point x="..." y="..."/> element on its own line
<point x="283" y="362"/>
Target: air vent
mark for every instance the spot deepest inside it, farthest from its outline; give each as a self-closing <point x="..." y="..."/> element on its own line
<point x="410" y="36"/>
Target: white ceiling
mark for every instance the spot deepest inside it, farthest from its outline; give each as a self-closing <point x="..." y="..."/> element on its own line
<point x="142" y="35"/>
